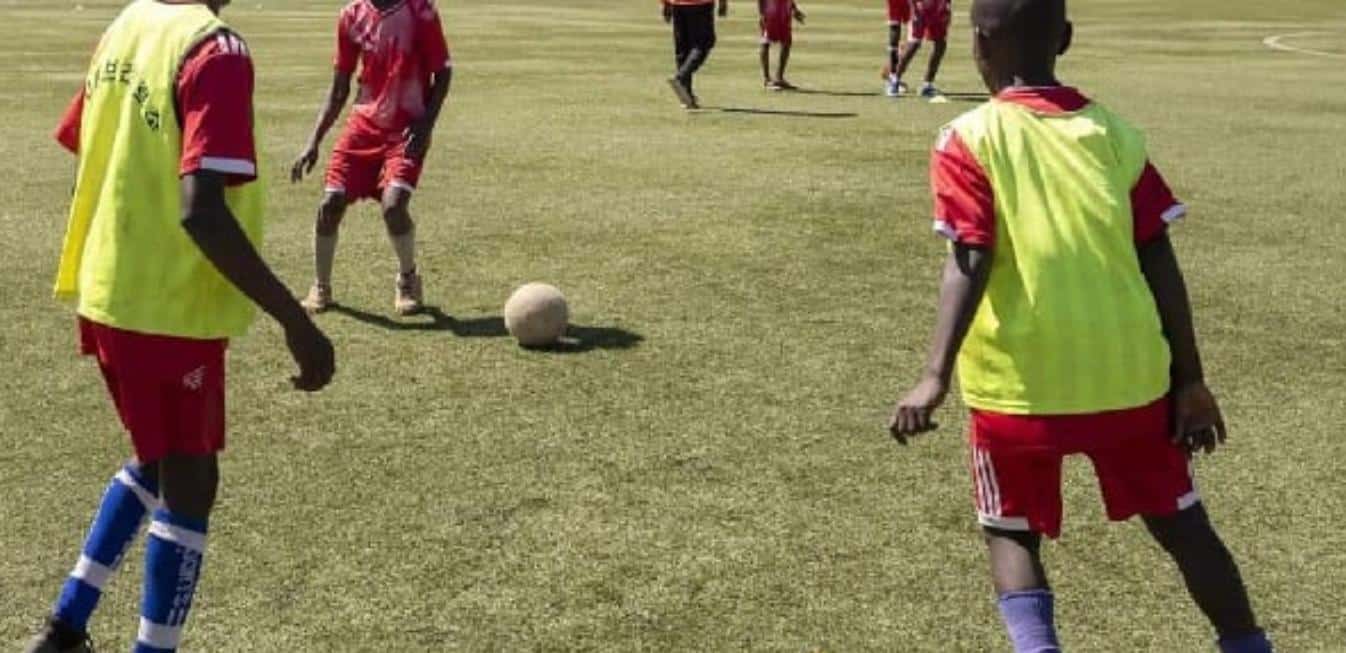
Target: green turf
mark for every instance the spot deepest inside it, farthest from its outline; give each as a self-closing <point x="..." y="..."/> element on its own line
<point x="724" y="484"/>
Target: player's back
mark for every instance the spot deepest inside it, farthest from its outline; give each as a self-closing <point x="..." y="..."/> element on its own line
<point x="1069" y="324"/>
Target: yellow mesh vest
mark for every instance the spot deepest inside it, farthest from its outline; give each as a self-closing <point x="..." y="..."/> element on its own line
<point x="1068" y="324"/>
<point x="126" y="259"/>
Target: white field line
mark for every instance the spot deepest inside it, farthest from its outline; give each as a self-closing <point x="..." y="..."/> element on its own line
<point x="1277" y="43"/>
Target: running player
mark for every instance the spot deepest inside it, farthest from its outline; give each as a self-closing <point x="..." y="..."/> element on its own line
<point x="405" y="71"/>
<point x="160" y="257"/>
<point x="929" y="22"/>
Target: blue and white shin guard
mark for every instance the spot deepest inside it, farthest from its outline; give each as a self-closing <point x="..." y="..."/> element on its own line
<point x="128" y="499"/>
<point x="172" y="566"/>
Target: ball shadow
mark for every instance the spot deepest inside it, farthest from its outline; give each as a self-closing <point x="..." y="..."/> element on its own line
<point x="578" y="339"/>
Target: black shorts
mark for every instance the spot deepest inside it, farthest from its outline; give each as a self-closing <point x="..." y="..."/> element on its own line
<point x="693" y="27"/>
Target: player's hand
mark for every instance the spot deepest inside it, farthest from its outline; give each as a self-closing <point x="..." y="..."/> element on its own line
<point x="724" y="8"/>
<point x="799" y="16"/>
<point x="418" y="139"/>
<point x="668" y="13"/>
<point x="313" y="352"/>
<point x="1197" y="422"/>
<point x="304" y="164"/>
<point x="913" y="413"/>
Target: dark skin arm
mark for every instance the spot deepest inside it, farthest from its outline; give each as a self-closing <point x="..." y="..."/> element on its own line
<point x="965" y="276"/>
<point x="337" y="95"/>
<point x="418" y="134"/>
<point x="207" y="219"/>
<point x="1197" y="422"/>
<point x="724" y="8"/>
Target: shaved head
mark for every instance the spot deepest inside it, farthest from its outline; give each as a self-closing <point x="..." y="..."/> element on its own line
<point x="1018" y="41"/>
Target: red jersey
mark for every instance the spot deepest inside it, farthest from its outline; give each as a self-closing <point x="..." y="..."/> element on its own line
<point x="214" y="98"/>
<point x="398" y="50"/>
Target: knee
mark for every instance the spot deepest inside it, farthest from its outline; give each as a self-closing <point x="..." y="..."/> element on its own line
<point x="330" y="213"/>
<point x="189" y="484"/>
<point x="1186" y="528"/>
<point x="397" y="218"/>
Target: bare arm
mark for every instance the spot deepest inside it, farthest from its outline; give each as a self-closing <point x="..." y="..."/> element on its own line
<point x="418" y="135"/>
<point x="210" y="224"/>
<point x="965" y="277"/>
<point x="1198" y="423"/>
<point x="337" y="95"/>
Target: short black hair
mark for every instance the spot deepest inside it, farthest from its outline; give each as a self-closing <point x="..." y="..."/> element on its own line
<point x="1027" y="21"/>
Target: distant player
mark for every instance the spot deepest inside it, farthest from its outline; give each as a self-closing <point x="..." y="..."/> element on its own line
<point x="1065" y="308"/>
<point x="693" y="24"/>
<point x="777" y="19"/>
<point x="405" y="71"/>
<point x="160" y="257"/>
<point x="899" y="14"/>
<point x="929" y="22"/>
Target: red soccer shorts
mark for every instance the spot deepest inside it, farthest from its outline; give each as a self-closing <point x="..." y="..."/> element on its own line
<point x="365" y="163"/>
<point x="931" y="23"/>
<point x="899" y="11"/>
<point x="168" y="391"/>
<point x="1016" y="465"/>
<point x="777" y="22"/>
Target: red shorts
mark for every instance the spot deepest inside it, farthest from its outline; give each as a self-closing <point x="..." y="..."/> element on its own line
<point x="778" y="22"/>
<point x="899" y="11"/>
<point x="365" y="163"/>
<point x="168" y="391"/>
<point x="932" y="24"/>
<point x="1016" y="465"/>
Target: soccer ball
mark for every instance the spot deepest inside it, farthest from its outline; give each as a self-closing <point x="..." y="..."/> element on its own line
<point x="536" y="315"/>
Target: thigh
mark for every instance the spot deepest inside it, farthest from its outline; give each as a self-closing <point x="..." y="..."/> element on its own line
<point x="356" y="165"/>
<point x="1016" y="474"/>
<point x="1140" y="471"/>
<point x="399" y="171"/>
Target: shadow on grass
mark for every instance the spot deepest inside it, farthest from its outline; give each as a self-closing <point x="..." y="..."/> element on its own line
<point x="782" y="112"/>
<point x="578" y="339"/>
<point x="821" y="91"/>
<point x="967" y="97"/>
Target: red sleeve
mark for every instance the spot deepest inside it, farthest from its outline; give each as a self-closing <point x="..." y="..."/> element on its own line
<point x="67" y="132"/>
<point x="434" y="50"/>
<point x="215" y="100"/>
<point x="964" y="204"/>
<point x="1153" y="205"/>
<point x="348" y="51"/>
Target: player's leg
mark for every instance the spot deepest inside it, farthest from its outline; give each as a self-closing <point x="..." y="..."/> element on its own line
<point x="1212" y="577"/>
<point x="130" y="497"/>
<point x="701" y="30"/>
<point x="1016" y="474"/>
<point x="396" y="206"/>
<point x="905" y="56"/>
<point x="682" y="46"/>
<point x="1141" y="472"/>
<point x="893" y="84"/>
<point x="176" y="547"/>
<point x="785" y="47"/>
<point x="325" y="235"/>
<point x="937" y="50"/>
<point x="764" y="53"/>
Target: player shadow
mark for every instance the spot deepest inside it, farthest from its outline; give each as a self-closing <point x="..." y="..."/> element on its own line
<point x="578" y="339"/>
<point x="781" y="112"/>
<point x="967" y="97"/>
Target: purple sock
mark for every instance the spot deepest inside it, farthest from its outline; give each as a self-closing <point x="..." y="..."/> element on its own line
<point x="1029" y="620"/>
<point x="1253" y="643"/>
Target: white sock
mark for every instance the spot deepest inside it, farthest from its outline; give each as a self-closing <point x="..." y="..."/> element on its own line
<point x="324" y="254"/>
<point x="405" y="246"/>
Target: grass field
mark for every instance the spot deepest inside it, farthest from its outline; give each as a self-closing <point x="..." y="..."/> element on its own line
<point x="759" y="285"/>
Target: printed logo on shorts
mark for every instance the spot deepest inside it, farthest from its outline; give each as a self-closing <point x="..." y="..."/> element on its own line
<point x="195" y="378"/>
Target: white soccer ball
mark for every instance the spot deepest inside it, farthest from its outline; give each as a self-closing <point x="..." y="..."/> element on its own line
<point x="537" y="315"/>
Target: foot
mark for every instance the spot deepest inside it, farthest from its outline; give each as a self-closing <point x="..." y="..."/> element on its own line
<point x="894" y="87"/>
<point x="770" y="85"/>
<point x="782" y="85"/>
<point x="696" y="104"/>
<point x="684" y="94"/>
<point x="53" y="635"/>
<point x="929" y="92"/>
<point x="408" y="299"/>
<point x="319" y="299"/>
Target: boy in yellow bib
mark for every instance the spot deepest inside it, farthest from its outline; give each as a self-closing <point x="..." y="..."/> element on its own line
<point x="1065" y="310"/>
<point x="160" y="259"/>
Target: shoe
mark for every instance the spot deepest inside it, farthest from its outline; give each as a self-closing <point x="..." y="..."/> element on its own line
<point x="894" y="87"/>
<point x="319" y="299"/>
<point x="49" y="640"/>
<point x="782" y="85"/>
<point x="408" y="299"/>
<point x="929" y="92"/>
<point x="684" y="94"/>
<point x="770" y="85"/>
